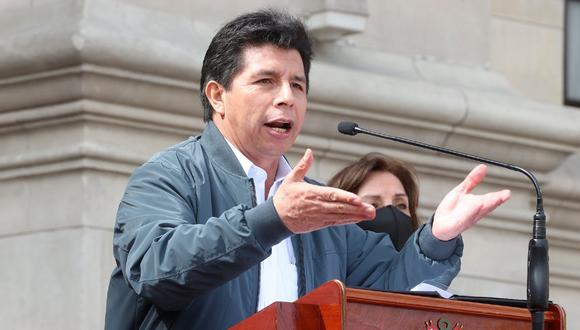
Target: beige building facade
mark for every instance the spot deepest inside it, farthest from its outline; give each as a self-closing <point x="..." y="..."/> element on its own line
<point x="90" y="89"/>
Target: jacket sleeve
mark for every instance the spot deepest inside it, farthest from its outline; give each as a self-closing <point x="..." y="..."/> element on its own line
<point x="373" y="261"/>
<point x="169" y="259"/>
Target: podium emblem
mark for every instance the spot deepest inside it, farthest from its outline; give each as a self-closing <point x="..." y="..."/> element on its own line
<point x="442" y="324"/>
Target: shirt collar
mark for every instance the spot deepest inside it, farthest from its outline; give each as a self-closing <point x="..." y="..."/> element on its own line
<point x="250" y="168"/>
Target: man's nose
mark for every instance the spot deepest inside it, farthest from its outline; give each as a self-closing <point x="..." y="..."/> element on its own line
<point x="285" y="95"/>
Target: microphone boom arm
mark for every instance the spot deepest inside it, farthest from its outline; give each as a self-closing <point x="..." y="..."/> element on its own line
<point x="538" y="276"/>
<point x="538" y="233"/>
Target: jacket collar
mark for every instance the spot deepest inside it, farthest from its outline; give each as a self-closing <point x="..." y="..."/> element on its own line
<point x="218" y="150"/>
<point x="214" y="143"/>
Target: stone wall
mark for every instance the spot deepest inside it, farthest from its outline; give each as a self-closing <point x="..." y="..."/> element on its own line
<point x="90" y="89"/>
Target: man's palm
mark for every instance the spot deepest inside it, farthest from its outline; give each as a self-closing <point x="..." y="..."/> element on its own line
<point x="459" y="209"/>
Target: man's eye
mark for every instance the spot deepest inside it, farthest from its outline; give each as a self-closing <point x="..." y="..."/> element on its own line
<point x="264" y="81"/>
<point x="298" y="86"/>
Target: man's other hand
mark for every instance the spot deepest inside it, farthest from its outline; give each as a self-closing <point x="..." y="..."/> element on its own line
<point x="459" y="209"/>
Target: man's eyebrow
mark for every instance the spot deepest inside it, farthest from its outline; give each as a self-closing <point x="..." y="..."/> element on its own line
<point x="265" y="73"/>
<point x="271" y="73"/>
<point x="300" y="78"/>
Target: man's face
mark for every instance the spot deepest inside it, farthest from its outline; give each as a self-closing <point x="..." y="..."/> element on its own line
<point x="263" y="110"/>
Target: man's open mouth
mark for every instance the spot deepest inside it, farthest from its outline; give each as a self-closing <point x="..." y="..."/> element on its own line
<point x="280" y="126"/>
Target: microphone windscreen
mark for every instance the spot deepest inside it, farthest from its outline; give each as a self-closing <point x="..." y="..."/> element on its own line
<point x="347" y="127"/>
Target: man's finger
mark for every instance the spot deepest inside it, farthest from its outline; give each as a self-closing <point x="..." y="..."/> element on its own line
<point x="332" y="219"/>
<point x="338" y="222"/>
<point x="472" y="179"/>
<point x="492" y="200"/>
<point x="299" y="171"/>
<point x="363" y="212"/>
<point x="331" y="194"/>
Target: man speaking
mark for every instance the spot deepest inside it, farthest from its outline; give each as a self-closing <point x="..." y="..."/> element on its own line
<point x="219" y="226"/>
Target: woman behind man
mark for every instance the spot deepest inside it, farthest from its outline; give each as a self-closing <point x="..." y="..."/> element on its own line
<point x="391" y="186"/>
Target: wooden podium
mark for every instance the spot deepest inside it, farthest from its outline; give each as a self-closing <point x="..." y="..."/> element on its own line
<point x="332" y="306"/>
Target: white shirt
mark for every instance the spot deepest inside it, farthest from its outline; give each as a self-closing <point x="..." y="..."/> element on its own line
<point x="278" y="274"/>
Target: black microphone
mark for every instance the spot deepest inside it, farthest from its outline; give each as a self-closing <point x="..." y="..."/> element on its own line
<point x="538" y="268"/>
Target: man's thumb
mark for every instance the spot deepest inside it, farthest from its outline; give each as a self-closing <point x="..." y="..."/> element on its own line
<point x="299" y="171"/>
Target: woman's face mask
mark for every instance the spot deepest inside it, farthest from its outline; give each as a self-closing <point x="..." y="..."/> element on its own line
<point x="392" y="221"/>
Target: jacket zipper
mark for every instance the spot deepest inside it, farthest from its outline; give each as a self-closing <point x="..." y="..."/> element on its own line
<point x="254" y="204"/>
<point x="299" y="255"/>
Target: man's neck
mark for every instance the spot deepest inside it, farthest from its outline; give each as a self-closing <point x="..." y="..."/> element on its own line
<point x="271" y="169"/>
<point x="270" y="166"/>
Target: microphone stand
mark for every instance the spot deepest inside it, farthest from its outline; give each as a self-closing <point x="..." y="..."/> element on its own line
<point x="538" y="268"/>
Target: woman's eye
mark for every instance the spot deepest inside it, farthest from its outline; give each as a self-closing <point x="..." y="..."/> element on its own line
<point x="402" y="206"/>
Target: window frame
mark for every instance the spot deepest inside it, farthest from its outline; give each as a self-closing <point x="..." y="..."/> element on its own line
<point x="571" y="100"/>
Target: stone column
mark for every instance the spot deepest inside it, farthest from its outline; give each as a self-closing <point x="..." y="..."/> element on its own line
<point x="89" y="90"/>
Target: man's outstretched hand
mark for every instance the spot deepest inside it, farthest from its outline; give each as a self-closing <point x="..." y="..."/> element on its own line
<point x="459" y="209"/>
<point x="305" y="207"/>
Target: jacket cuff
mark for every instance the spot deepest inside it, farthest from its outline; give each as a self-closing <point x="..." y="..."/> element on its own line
<point x="434" y="248"/>
<point x="266" y="224"/>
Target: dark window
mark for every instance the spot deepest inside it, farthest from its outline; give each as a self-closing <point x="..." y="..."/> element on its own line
<point x="572" y="53"/>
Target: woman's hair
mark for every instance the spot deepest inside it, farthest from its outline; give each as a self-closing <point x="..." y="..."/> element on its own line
<point x="351" y="177"/>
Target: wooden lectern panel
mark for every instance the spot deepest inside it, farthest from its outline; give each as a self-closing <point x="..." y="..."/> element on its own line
<point x="285" y="315"/>
<point x="322" y="308"/>
<point x="331" y="306"/>
<point x="370" y="309"/>
<point x="331" y="298"/>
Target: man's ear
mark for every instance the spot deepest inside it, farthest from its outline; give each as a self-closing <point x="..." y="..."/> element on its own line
<point x="214" y="92"/>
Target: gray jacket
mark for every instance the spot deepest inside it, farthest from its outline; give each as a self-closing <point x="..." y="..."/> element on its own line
<point x="189" y="239"/>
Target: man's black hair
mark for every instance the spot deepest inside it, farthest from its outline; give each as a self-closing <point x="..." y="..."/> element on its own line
<point x="223" y="58"/>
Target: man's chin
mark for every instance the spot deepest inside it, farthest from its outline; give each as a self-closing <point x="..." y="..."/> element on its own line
<point x="277" y="150"/>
